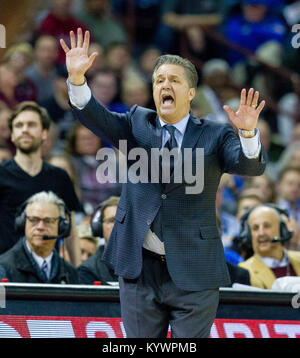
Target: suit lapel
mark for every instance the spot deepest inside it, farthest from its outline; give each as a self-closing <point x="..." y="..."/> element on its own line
<point x="262" y="271"/>
<point x="190" y="139"/>
<point x="156" y="137"/>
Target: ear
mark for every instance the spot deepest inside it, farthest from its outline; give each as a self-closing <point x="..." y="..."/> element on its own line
<point x="44" y="134"/>
<point x="192" y="93"/>
<point x="12" y="137"/>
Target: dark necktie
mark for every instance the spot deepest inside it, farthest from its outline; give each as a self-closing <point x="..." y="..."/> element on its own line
<point x="171" y="143"/>
<point x="156" y="225"/>
<point x="44" y="268"/>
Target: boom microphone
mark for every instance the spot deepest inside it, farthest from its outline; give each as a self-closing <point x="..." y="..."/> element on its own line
<point x="280" y="239"/>
<point x="46" y="237"/>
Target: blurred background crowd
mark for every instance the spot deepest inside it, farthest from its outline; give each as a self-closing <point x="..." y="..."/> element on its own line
<point x="233" y="43"/>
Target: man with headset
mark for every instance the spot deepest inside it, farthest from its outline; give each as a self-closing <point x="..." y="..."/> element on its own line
<point x="264" y="227"/>
<point x="102" y="223"/>
<point x="42" y="219"/>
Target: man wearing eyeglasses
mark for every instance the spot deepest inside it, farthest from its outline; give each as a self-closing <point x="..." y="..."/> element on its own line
<point x="34" y="259"/>
<point x="95" y="269"/>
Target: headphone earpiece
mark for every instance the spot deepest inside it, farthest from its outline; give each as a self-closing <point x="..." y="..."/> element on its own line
<point x="65" y="224"/>
<point x="20" y="219"/>
<point x="96" y="222"/>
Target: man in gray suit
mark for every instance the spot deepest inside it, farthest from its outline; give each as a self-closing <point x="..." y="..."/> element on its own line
<point x="165" y="245"/>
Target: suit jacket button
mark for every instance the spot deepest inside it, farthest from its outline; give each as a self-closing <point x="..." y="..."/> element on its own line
<point x="163" y="196"/>
<point x="148" y="222"/>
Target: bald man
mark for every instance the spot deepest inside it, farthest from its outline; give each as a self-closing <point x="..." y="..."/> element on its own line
<point x="270" y="259"/>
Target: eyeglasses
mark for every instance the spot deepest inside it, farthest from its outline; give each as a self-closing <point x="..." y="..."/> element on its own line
<point x="109" y="221"/>
<point x="46" y="221"/>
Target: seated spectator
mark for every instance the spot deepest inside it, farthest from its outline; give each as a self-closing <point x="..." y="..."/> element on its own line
<point x="147" y="62"/>
<point x="97" y="17"/>
<point x="8" y="84"/>
<point x="263" y="224"/>
<point x="189" y="16"/>
<point x="43" y="71"/>
<point x="104" y="85"/>
<point x="19" y="57"/>
<point x="273" y="146"/>
<point x="237" y="274"/>
<point x="99" y="62"/>
<point x="254" y="25"/>
<point x="235" y="252"/>
<point x="119" y="60"/>
<point x="5" y="113"/>
<point x="82" y="146"/>
<point x="264" y="185"/>
<point x="141" y="19"/>
<point x="229" y="224"/>
<point x="135" y="91"/>
<point x="34" y="259"/>
<point x="289" y="191"/>
<point x="288" y="115"/>
<point x="215" y="90"/>
<point x="102" y="223"/>
<point x="146" y="65"/>
<point x="88" y="243"/>
<point x="52" y="145"/>
<point x="290" y="157"/>
<point x="58" y="107"/>
<point x="59" y="22"/>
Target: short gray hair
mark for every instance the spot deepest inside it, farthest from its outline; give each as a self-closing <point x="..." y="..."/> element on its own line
<point x="48" y="197"/>
<point x="189" y="68"/>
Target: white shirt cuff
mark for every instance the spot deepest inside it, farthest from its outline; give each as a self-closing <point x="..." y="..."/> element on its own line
<point x="79" y="95"/>
<point x="251" y="146"/>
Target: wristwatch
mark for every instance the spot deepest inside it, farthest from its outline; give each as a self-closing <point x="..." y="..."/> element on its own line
<point x="247" y="134"/>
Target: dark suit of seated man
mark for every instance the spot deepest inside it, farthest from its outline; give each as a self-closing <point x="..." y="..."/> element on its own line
<point x="33" y="259"/>
<point x="165" y="246"/>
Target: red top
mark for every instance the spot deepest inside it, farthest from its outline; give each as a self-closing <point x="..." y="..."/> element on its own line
<point x="60" y="29"/>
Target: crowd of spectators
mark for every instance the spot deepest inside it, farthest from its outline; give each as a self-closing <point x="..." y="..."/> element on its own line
<point x="234" y="44"/>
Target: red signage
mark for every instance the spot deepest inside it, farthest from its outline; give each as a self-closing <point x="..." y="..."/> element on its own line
<point x="14" y="326"/>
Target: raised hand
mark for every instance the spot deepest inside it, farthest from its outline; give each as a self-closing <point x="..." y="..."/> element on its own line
<point x="77" y="59"/>
<point x="247" y="115"/>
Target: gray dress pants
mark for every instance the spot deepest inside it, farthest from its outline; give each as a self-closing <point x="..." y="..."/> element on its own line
<point x="152" y="302"/>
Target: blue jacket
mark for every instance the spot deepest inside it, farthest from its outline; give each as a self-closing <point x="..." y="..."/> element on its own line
<point x="194" y="251"/>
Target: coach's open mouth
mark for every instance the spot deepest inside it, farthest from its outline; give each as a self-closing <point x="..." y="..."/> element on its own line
<point x="167" y="100"/>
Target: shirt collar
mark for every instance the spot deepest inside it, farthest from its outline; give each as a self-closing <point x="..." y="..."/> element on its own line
<point x="180" y="126"/>
<point x="271" y="262"/>
<point x="39" y="260"/>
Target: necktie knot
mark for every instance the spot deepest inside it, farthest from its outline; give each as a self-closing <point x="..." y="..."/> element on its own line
<point x="171" y="129"/>
<point x="172" y="142"/>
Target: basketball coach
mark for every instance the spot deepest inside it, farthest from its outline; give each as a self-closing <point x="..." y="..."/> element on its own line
<point x="165" y="246"/>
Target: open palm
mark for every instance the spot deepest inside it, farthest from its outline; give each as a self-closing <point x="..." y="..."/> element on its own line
<point x="77" y="59"/>
<point x="246" y="116"/>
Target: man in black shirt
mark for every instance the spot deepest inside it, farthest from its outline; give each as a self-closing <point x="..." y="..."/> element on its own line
<point x="27" y="174"/>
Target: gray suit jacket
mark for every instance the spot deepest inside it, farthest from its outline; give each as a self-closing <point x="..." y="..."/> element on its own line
<point x="194" y="251"/>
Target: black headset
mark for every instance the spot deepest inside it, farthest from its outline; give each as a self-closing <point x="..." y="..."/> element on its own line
<point x="245" y="238"/>
<point x="64" y="223"/>
<point x="96" y="223"/>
